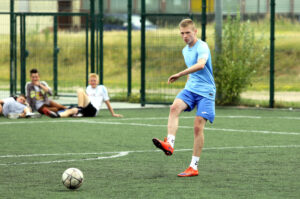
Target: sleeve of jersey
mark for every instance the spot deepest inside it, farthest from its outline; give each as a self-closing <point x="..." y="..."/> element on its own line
<point x="49" y="89"/>
<point x="6" y="108"/>
<point x="105" y="93"/>
<point x="7" y="100"/>
<point x="26" y="87"/>
<point x="203" y="52"/>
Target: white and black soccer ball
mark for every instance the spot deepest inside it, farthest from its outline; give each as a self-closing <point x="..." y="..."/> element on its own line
<point x="72" y="178"/>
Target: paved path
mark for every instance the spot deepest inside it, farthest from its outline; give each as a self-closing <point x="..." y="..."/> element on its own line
<point x="279" y="96"/>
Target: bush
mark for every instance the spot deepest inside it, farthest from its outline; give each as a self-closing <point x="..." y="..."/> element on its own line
<point x="242" y="55"/>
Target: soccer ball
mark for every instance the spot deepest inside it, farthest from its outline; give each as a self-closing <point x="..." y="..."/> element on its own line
<point x="72" y="178"/>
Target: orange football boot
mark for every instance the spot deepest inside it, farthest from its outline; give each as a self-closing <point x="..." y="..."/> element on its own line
<point x="163" y="145"/>
<point x="189" y="172"/>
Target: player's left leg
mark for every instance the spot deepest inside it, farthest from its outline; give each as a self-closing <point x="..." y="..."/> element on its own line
<point x="68" y="112"/>
<point x="53" y="106"/>
<point x="205" y="111"/>
<point x="199" y="125"/>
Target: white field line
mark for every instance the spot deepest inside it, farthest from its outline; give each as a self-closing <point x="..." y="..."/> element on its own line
<point x="186" y="117"/>
<point x="152" y="125"/>
<point x="217" y="116"/>
<point x="119" y="154"/>
<point x="191" y="127"/>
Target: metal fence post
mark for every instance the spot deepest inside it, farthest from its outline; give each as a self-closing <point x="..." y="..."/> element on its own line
<point x="23" y="52"/>
<point x="218" y="26"/>
<point x="12" y="61"/>
<point x="15" y="53"/>
<point x="55" y="52"/>
<point x="129" y="57"/>
<point x="203" y="20"/>
<point x="92" y="15"/>
<point x="272" y="49"/>
<point x="86" y="49"/>
<point x="97" y="46"/>
<point x="100" y="25"/>
<point x="143" y="53"/>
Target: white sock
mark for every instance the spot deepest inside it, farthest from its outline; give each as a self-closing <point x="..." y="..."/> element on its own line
<point x="194" y="162"/>
<point x="171" y="140"/>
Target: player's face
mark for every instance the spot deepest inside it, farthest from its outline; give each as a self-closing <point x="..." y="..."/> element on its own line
<point x="35" y="77"/>
<point x="93" y="82"/>
<point x="188" y="34"/>
<point x="21" y="100"/>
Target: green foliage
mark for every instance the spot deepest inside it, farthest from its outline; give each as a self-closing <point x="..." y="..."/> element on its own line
<point x="242" y="55"/>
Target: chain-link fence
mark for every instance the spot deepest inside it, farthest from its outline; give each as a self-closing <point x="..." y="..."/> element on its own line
<point x="164" y="45"/>
<point x="57" y="40"/>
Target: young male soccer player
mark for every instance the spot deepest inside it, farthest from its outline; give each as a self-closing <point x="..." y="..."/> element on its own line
<point x="199" y="91"/>
<point x="15" y="107"/>
<point x="89" y="102"/>
<point x="37" y="96"/>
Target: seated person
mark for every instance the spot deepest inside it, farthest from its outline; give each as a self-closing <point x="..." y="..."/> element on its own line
<point x="15" y="107"/>
<point x="37" y="95"/>
<point x="89" y="102"/>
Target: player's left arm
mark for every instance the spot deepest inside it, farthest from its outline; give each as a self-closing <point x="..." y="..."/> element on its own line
<point x="43" y="85"/>
<point x="107" y="102"/>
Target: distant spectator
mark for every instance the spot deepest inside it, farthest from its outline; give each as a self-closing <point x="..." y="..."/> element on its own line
<point x="90" y="100"/>
<point x="37" y="93"/>
<point x="15" y="107"/>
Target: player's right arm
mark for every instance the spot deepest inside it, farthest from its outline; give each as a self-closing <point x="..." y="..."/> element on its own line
<point x="196" y="67"/>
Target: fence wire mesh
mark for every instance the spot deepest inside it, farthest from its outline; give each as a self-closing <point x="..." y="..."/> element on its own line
<point x="163" y="46"/>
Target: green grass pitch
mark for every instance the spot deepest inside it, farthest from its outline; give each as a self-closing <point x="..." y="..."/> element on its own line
<point x="248" y="153"/>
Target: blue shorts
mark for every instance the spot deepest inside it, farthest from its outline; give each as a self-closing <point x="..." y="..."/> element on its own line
<point x="205" y="107"/>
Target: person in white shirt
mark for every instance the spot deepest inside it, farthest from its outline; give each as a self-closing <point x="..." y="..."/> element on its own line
<point x="90" y="101"/>
<point x="15" y="107"/>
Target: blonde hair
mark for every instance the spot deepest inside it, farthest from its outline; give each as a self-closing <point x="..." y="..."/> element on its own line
<point x="187" y="22"/>
<point x="94" y="75"/>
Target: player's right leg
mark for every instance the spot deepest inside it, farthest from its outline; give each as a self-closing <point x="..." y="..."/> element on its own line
<point x="55" y="107"/>
<point x="45" y="110"/>
<point x="167" y="146"/>
<point x="83" y="99"/>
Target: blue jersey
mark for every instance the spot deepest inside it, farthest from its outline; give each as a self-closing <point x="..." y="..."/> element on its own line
<point x="200" y="82"/>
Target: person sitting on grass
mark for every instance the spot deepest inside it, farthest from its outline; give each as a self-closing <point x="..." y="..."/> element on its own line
<point x="37" y="93"/>
<point x="90" y="101"/>
<point x="15" y="107"/>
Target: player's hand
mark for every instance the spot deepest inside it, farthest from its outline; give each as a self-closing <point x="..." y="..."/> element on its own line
<point x="22" y="115"/>
<point x="117" y="115"/>
<point x="173" y="78"/>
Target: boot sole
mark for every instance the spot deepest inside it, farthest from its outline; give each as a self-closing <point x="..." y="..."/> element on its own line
<point x="158" y="145"/>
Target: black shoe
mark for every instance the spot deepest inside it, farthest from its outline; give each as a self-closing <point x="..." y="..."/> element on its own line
<point x="53" y="114"/>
